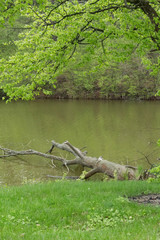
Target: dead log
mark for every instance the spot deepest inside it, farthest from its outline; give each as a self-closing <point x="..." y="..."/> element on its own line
<point x="97" y="165"/>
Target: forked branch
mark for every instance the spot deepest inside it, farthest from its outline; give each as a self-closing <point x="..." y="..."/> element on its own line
<point x="97" y="165"/>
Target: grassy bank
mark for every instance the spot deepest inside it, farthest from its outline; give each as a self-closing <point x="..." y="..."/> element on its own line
<point x="77" y="211"/>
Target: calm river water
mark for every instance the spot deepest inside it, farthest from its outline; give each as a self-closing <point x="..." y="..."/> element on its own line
<point x="122" y="132"/>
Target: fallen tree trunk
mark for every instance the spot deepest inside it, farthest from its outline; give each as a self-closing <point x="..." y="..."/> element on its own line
<point x="97" y="165"/>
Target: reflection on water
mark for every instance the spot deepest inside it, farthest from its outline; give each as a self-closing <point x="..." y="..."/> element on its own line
<point x="119" y="131"/>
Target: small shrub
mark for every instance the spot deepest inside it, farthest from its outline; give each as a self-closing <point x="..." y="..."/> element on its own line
<point x="155" y="171"/>
<point x="155" y="174"/>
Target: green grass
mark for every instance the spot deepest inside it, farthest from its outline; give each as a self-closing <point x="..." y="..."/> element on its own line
<point x="74" y="210"/>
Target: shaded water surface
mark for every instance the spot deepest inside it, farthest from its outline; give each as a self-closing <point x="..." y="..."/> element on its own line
<point x="123" y="132"/>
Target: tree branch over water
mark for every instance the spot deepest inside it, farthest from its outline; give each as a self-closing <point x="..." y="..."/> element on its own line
<point x="62" y="28"/>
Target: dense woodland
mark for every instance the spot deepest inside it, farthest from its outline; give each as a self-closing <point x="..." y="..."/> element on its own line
<point x="79" y="49"/>
<point x="125" y="80"/>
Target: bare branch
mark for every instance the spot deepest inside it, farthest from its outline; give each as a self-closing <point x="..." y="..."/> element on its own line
<point x="146" y="157"/>
<point x="74" y="49"/>
<point x="75" y="150"/>
<point x="51" y="149"/>
<point x="91" y="173"/>
<point x="43" y="20"/>
<point x="96" y="164"/>
<point x="102" y="43"/>
<point x="61" y="3"/>
<point x="11" y="153"/>
<point x="63" y="146"/>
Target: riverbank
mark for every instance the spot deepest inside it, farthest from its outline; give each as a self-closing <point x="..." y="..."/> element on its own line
<point x="78" y="210"/>
<point x="109" y="97"/>
<point x="117" y="96"/>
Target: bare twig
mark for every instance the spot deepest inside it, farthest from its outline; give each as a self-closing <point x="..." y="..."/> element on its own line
<point x="146" y="157"/>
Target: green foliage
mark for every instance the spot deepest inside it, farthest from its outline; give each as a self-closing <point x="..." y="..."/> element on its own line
<point x="81" y="177"/>
<point x="155" y="174"/>
<point x="30" y="181"/>
<point x="155" y="171"/>
<point x="127" y="80"/>
<point x="113" y="28"/>
<point x="9" y="35"/>
<point x="109" y="218"/>
<point x="158" y="142"/>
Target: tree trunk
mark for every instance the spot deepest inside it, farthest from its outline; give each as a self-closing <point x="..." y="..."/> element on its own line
<point x="97" y="165"/>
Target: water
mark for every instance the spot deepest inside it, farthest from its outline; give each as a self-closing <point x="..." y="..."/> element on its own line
<point x="123" y="132"/>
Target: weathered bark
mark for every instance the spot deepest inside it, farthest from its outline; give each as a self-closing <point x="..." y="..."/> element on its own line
<point x="97" y="165"/>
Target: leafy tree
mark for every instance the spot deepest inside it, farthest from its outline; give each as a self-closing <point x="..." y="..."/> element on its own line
<point x="59" y="28"/>
<point x="9" y="34"/>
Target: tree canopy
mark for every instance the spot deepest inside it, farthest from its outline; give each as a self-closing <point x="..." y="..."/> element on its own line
<point x="105" y="30"/>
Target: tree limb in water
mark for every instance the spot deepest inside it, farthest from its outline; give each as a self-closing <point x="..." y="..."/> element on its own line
<point x="97" y="165"/>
